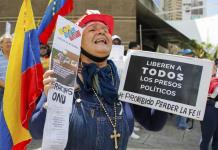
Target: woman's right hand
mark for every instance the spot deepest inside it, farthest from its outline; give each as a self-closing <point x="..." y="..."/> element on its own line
<point x="48" y="81"/>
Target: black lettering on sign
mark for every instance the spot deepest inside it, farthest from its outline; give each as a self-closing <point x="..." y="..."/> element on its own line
<point x="61" y="88"/>
<point x="139" y="99"/>
<point x="183" y="110"/>
<point x="58" y="97"/>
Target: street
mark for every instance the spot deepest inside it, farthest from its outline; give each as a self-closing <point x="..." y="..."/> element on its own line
<point x="170" y="138"/>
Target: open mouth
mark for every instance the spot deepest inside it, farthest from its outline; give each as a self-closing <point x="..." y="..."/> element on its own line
<point x="100" y="41"/>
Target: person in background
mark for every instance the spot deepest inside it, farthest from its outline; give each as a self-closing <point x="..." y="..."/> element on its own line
<point x="5" y="43"/>
<point x="134" y="45"/>
<point x="216" y="63"/>
<point x="98" y="119"/>
<point x="209" y="125"/>
<point x="186" y="52"/>
<point x="182" y="122"/>
<point x="45" y="52"/>
<point x="116" y="40"/>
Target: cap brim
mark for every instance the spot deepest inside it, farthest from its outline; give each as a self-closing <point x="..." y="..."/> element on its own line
<point x="106" y="19"/>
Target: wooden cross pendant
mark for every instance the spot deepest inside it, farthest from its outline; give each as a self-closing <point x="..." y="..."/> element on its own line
<point x="115" y="136"/>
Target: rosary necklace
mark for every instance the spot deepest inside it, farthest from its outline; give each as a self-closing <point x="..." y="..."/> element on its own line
<point x="115" y="135"/>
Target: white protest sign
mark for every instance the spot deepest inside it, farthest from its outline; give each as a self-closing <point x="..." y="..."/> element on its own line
<point x="165" y="82"/>
<point x="117" y="52"/>
<point x="117" y="55"/>
<point x="64" y="62"/>
<point x="8" y="28"/>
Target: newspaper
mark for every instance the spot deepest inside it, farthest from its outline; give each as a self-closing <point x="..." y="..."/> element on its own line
<point x="64" y="61"/>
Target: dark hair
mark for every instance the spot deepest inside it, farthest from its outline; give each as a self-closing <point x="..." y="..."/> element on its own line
<point x="118" y="41"/>
<point x="133" y="44"/>
<point x="47" y="47"/>
<point x="216" y="62"/>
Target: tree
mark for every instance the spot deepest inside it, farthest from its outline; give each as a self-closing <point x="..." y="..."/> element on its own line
<point x="203" y="50"/>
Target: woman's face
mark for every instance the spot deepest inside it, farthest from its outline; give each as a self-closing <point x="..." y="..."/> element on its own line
<point x="96" y="39"/>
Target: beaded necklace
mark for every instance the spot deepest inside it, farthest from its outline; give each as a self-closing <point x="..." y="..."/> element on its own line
<point x="115" y="135"/>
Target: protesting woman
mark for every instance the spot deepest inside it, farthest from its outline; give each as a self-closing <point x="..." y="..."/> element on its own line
<point x="99" y="121"/>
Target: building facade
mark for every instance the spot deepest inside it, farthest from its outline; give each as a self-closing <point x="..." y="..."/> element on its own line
<point x="124" y="12"/>
<point x="194" y="9"/>
<point x="129" y="16"/>
<point x="172" y="9"/>
<point x="183" y="9"/>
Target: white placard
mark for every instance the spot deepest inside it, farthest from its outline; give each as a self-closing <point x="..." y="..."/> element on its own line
<point x="171" y="83"/>
<point x="64" y="62"/>
<point x="117" y="52"/>
<point x="8" y="28"/>
<point x="117" y="56"/>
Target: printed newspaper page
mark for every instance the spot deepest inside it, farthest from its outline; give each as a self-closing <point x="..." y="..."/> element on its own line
<point x="171" y="83"/>
<point x="64" y="62"/>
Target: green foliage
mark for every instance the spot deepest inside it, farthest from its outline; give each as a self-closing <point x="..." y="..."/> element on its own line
<point x="203" y="50"/>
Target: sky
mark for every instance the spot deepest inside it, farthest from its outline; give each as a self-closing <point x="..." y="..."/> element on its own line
<point x="212" y="7"/>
